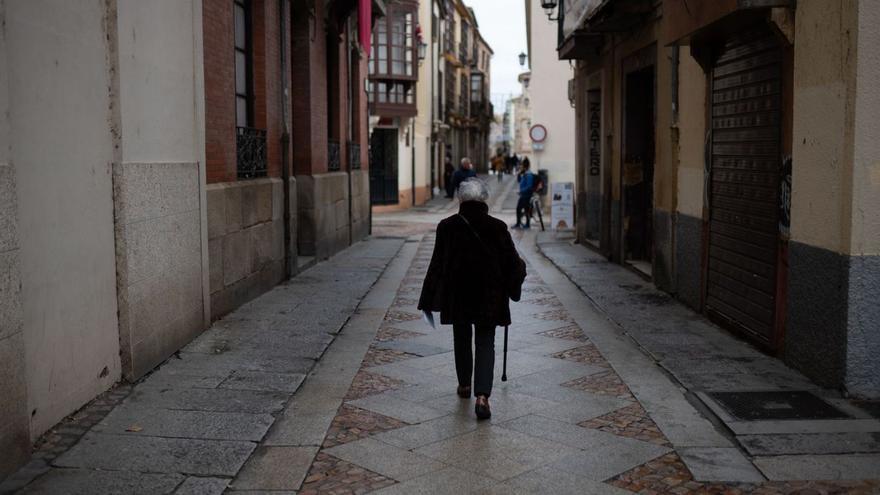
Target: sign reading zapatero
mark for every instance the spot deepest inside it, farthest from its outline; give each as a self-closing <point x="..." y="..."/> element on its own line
<point x="594" y="109"/>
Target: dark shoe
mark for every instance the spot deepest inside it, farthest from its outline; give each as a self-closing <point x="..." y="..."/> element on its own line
<point x="464" y="392"/>
<point x="481" y="408"/>
<point x="515" y="226"/>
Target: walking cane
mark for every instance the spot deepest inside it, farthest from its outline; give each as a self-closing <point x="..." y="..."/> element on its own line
<point x="504" y="370"/>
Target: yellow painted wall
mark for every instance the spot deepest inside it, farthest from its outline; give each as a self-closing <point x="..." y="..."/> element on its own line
<point x="824" y="103"/>
<point x="691" y="135"/>
<point x="866" y="155"/>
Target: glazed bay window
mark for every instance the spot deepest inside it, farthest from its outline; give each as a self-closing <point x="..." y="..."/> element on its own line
<point x="393" y="70"/>
<point x="463" y="43"/>
<point x="250" y="142"/>
<point x="463" y="94"/>
<point x="477" y="88"/>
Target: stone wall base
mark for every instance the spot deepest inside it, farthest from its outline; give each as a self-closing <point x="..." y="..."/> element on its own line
<point x="405" y="200"/>
<point x="158" y="261"/>
<point x="245" y="241"/>
<point x="360" y="205"/>
<point x="688" y="256"/>
<point x="831" y="330"/>
<point x="15" y="443"/>
<point x="323" y="213"/>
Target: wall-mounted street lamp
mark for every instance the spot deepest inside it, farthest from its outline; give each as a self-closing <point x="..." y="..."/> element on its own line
<point x="423" y="47"/>
<point x="522" y="59"/>
<point x="549" y="6"/>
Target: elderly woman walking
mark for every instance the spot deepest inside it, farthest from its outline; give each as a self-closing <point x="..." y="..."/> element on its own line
<point x="474" y="272"/>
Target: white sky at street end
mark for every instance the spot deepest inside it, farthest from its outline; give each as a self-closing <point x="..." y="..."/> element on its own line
<point x="503" y="25"/>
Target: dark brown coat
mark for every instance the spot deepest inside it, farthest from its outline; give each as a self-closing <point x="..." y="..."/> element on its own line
<point x="471" y="279"/>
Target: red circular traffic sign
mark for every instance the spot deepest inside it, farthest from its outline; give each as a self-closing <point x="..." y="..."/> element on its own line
<point x="538" y="133"/>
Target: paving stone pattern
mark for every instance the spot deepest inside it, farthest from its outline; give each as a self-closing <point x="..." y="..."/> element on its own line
<point x="191" y="425"/>
<point x="564" y="423"/>
<point x="703" y="358"/>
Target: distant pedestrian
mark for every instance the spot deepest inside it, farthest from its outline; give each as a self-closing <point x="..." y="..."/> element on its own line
<point x="471" y="294"/>
<point x="527" y="183"/>
<point x="448" y="172"/>
<point x="464" y="172"/>
<point x="498" y="165"/>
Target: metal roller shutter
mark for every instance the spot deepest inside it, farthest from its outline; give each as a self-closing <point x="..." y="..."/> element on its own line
<point x="744" y="187"/>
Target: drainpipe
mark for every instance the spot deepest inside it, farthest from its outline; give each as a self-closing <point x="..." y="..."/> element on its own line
<point x="433" y="115"/>
<point x="412" y="154"/>
<point x="348" y="93"/>
<point x="676" y="163"/>
<point x="675" y="62"/>
<point x="285" y="136"/>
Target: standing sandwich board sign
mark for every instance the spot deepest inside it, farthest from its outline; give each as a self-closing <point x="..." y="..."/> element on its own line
<point x="562" y="207"/>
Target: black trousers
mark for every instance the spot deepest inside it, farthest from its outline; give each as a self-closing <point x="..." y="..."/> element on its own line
<point x="522" y="209"/>
<point x="480" y="363"/>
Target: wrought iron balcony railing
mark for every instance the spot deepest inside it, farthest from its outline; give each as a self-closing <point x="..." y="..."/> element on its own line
<point x="250" y="145"/>
<point x="354" y="156"/>
<point x="333" y="156"/>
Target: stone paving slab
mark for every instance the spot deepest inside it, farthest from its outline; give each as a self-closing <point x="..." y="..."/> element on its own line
<point x="89" y="482"/>
<point x="157" y="455"/>
<point x="303" y="423"/>
<point x="445" y="481"/>
<point x="495" y="452"/>
<point x="425" y="433"/>
<point x="719" y="464"/>
<point x="506" y="405"/>
<point x="202" y="486"/>
<point x="804" y="426"/>
<point x="811" y="443"/>
<point x="406" y="411"/>
<point x="821" y="467"/>
<point x="551" y="480"/>
<point x="263" y="381"/>
<point x="396" y="463"/>
<point x="138" y="421"/>
<point x="213" y="400"/>
<point x="275" y="468"/>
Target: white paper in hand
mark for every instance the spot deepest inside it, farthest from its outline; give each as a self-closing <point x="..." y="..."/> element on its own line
<point x="429" y="318"/>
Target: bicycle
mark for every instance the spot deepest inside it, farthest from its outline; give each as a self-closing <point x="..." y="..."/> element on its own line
<point x="535" y="207"/>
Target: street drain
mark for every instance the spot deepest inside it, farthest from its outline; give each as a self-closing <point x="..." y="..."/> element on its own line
<point x="776" y="405"/>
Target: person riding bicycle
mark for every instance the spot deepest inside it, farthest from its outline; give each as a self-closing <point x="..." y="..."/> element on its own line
<point x="527" y="183"/>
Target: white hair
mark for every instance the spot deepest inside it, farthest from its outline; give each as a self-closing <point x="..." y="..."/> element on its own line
<point x="465" y="160"/>
<point x="473" y="189"/>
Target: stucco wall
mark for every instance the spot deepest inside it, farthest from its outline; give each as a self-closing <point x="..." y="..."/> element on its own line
<point x="157" y="182"/>
<point x="691" y="136"/>
<point x="866" y="153"/>
<point x="824" y="104"/>
<point x="62" y="148"/>
<point x="834" y="275"/>
<point x="156" y="57"/>
<point x="549" y="106"/>
<point x="863" y="373"/>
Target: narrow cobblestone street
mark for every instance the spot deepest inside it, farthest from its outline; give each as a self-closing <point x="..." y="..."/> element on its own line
<point x="300" y="392"/>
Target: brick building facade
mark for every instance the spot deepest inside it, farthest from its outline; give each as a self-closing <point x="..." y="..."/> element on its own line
<point x="285" y="185"/>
